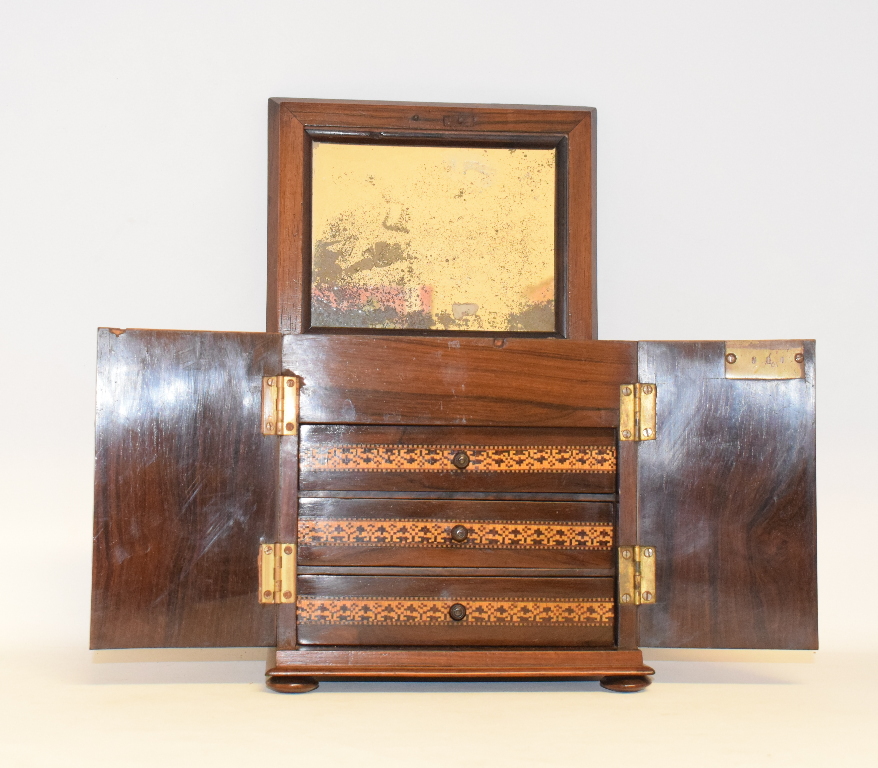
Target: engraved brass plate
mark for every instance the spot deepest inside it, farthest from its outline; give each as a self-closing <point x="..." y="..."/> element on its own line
<point x="435" y="237"/>
<point x="764" y="360"/>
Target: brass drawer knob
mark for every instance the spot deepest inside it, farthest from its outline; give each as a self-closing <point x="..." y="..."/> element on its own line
<point x="460" y="460"/>
<point x="457" y="611"/>
<point x="459" y="533"/>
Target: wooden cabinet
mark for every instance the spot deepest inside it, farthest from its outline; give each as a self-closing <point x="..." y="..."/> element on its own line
<point x="455" y="505"/>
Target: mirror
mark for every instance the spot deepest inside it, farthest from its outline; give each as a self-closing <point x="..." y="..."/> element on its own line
<point x="443" y="238"/>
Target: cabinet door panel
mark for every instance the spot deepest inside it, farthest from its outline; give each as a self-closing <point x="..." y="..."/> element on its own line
<point x="185" y="489"/>
<point x="726" y="493"/>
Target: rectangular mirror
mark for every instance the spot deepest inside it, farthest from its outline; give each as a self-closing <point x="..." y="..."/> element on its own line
<point x="442" y="237"/>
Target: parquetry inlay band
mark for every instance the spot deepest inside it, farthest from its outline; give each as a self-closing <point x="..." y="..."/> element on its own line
<point x="499" y="534"/>
<point x="594" y="612"/>
<point x="437" y="458"/>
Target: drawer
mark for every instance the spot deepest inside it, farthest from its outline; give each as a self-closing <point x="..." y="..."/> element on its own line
<point x="500" y="459"/>
<point x="455" y="533"/>
<point x="383" y="610"/>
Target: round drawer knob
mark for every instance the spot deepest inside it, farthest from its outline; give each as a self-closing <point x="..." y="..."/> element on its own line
<point x="460" y="460"/>
<point x="457" y="611"/>
<point x="459" y="533"/>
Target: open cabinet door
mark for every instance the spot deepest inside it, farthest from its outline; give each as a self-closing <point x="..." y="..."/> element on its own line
<point x="185" y="489"/>
<point x="726" y="495"/>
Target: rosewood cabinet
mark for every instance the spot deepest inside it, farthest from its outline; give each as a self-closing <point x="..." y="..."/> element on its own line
<point x="450" y="510"/>
<point x="416" y="490"/>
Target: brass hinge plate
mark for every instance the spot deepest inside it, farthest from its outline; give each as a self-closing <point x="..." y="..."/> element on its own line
<point x="637" y="575"/>
<point x="277" y="573"/>
<point x="764" y="360"/>
<point x="280" y="405"/>
<point x="637" y="411"/>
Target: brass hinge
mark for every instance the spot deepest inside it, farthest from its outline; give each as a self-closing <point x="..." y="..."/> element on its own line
<point x="637" y="411"/>
<point x="280" y="405"/>
<point x="277" y="573"/>
<point x="637" y="575"/>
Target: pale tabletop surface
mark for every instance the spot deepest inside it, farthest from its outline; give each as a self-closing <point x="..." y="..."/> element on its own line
<point x="168" y="708"/>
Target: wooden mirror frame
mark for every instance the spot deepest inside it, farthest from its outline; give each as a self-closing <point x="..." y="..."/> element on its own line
<point x="294" y="123"/>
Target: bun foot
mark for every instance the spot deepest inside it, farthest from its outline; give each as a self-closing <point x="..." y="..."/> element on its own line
<point x="625" y="683"/>
<point x="291" y="684"/>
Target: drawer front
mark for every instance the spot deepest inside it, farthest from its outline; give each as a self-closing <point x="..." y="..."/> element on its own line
<point x="453" y="533"/>
<point x="383" y="610"/>
<point x="502" y="459"/>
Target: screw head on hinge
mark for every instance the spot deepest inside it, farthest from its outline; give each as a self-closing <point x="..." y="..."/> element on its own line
<point x="799" y="358"/>
<point x="731" y="359"/>
<point x="288" y="550"/>
<point x="626" y="553"/>
<point x="287" y="595"/>
<point x="270" y="382"/>
<point x="626" y="598"/>
<point x="646" y="389"/>
<point x="626" y="433"/>
<point x="647" y="432"/>
<point x="290" y="426"/>
<point x="268" y="550"/>
<point x="290" y="382"/>
<point x="267" y="593"/>
<point x="626" y="391"/>
<point x="647" y="596"/>
<point x="648" y="552"/>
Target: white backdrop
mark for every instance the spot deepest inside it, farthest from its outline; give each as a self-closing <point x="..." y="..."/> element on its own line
<point x="736" y="199"/>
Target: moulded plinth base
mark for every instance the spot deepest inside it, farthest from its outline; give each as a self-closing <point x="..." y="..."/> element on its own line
<point x="298" y="670"/>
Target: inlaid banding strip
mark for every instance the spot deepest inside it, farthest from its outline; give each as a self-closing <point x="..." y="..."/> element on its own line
<point x="486" y="612"/>
<point x="491" y="534"/>
<point x="438" y="458"/>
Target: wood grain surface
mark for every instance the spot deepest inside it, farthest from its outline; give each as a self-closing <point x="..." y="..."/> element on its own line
<point x="504" y="382"/>
<point x="457" y="663"/>
<point x="185" y="489"/>
<point x="727" y="496"/>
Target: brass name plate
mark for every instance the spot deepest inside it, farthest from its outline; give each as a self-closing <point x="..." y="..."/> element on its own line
<point x="764" y="360"/>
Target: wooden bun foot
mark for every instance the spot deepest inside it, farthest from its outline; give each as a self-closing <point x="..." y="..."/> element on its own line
<point x="625" y="683"/>
<point x="291" y="684"/>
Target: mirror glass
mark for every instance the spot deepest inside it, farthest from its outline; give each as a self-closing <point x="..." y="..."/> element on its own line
<point x="440" y="237"/>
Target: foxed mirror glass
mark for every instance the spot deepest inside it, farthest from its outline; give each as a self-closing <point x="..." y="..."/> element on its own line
<point x="442" y="238"/>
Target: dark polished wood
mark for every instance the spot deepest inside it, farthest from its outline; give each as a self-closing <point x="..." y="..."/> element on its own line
<point x="522" y="538"/>
<point x="727" y="497"/>
<point x="458" y="663"/>
<point x="406" y="622"/>
<point x="626" y="683"/>
<point x="458" y="495"/>
<point x="460" y="381"/>
<point x="291" y="684"/>
<point x="396" y="571"/>
<point x="626" y="534"/>
<point x="185" y="489"/>
<point x="293" y="122"/>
